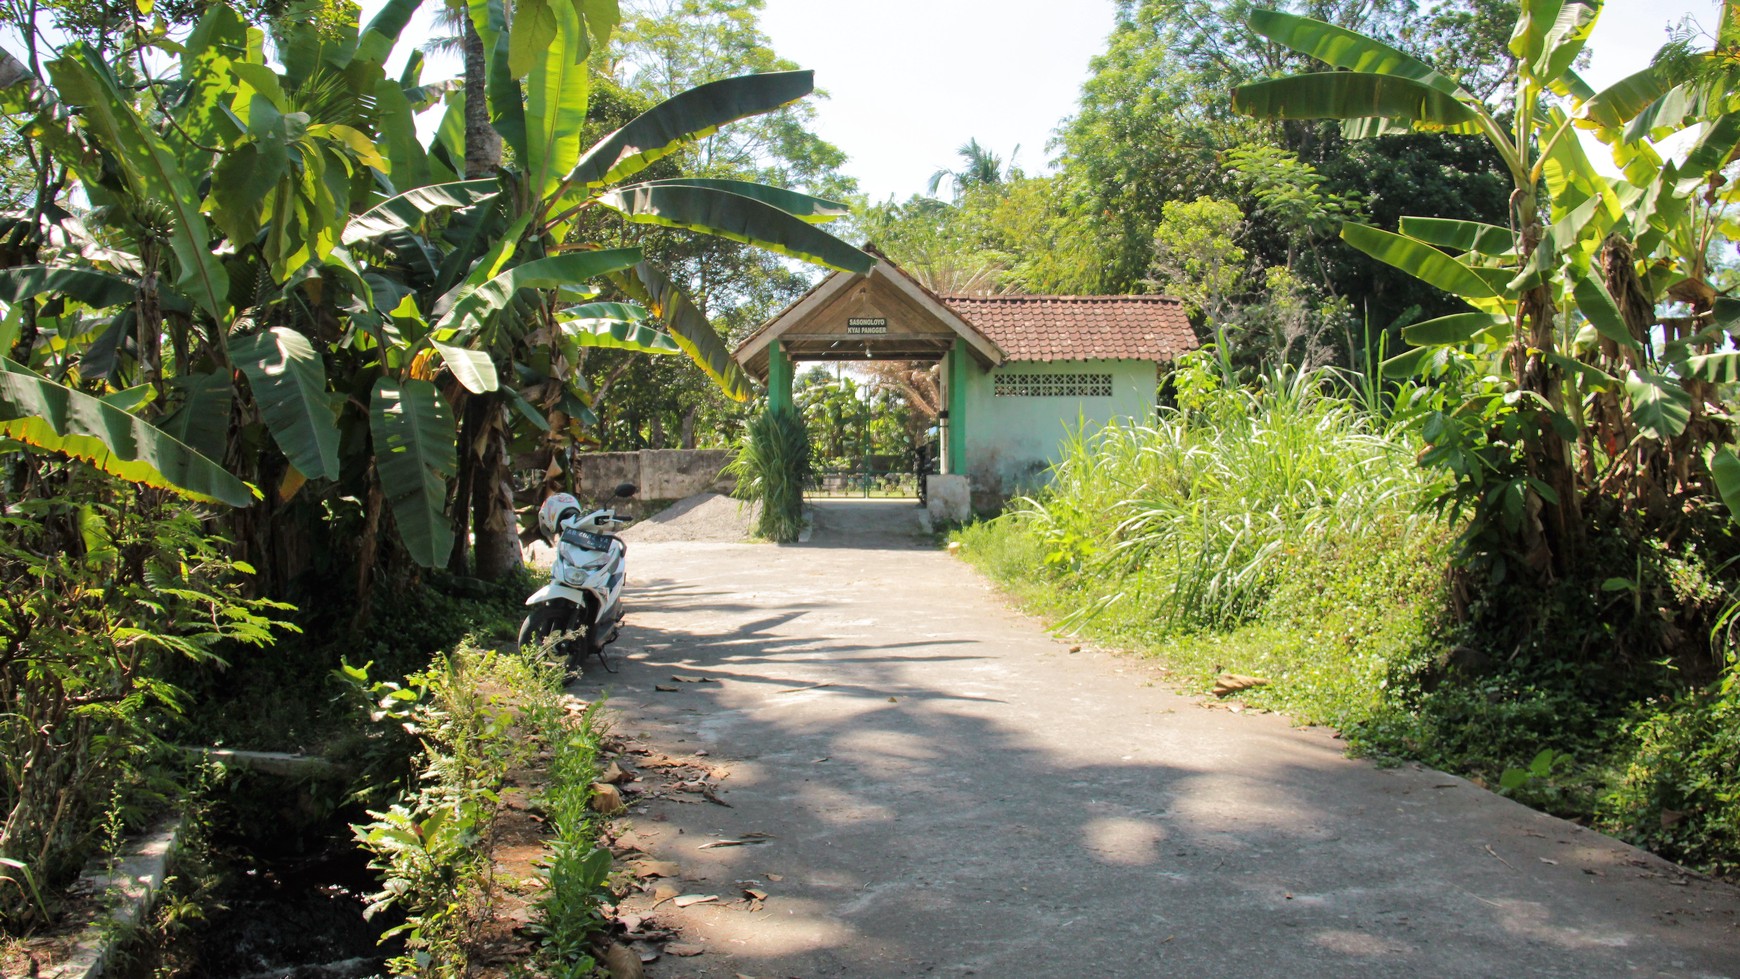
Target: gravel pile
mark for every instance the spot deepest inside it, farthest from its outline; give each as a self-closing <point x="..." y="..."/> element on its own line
<point x="702" y="517"/>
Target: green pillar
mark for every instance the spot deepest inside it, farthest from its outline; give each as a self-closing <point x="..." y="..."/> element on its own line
<point x="779" y="372"/>
<point x="957" y="447"/>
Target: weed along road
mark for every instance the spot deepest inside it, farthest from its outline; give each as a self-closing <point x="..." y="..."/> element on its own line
<point x="921" y="781"/>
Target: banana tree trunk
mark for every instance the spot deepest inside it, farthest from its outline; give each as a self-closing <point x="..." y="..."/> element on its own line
<point x="497" y="540"/>
<point x="482" y="143"/>
<point x="1551" y="529"/>
<point x="470" y="412"/>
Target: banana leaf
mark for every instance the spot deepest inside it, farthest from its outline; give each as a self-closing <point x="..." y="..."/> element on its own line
<point x="1659" y="405"/>
<point x="56" y="418"/>
<point x="1461" y="236"/>
<point x="1455" y="328"/>
<point x="557" y="88"/>
<point x="1620" y="102"/>
<point x="415" y="455"/>
<point x="476" y="307"/>
<point x="1355" y="95"/>
<point x="687" y="327"/>
<point x="1725" y="467"/>
<point x="407" y="210"/>
<point x="1597" y="306"/>
<point x="288" y="379"/>
<point x="1418" y="259"/>
<point x="804" y="207"/>
<point x="203" y="420"/>
<point x="94" y="288"/>
<point x="1347" y="49"/>
<point x="684" y="118"/>
<point x="736" y="218"/>
<point x="82" y="78"/>
<point x="383" y="30"/>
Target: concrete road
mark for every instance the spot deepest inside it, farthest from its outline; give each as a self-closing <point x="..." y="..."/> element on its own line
<point x="950" y="791"/>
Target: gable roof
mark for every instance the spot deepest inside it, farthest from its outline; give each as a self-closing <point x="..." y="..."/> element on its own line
<point x="917" y="324"/>
<point x="1050" y="328"/>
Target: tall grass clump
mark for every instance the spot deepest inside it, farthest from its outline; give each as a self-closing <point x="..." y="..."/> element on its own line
<point x="1274" y="531"/>
<point x="771" y="468"/>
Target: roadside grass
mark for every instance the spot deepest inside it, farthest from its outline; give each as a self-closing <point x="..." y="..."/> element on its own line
<point x="1279" y="533"/>
<point x="1274" y="533"/>
<point x="500" y="754"/>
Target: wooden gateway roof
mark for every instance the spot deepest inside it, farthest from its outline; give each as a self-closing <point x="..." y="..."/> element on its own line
<point x="1048" y="328"/>
<point x="886" y="314"/>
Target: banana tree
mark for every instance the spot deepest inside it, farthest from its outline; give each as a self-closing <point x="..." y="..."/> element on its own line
<point x="1513" y="441"/>
<point x="213" y="273"/>
<point x="512" y="301"/>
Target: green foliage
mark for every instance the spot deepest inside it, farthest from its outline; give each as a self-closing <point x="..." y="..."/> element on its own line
<point x="1197" y="255"/>
<point x="478" y="718"/>
<point x="771" y="468"/>
<point x="1540" y="409"/>
<point x="577" y="871"/>
<point x="1272" y="533"/>
<point x="109" y="590"/>
<point x="281" y="217"/>
<point x="1679" y="791"/>
<point x="848" y="421"/>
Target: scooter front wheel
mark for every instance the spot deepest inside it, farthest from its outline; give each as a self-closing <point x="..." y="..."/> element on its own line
<point x="552" y="618"/>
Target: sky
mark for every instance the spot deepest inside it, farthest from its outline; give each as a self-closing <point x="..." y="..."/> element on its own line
<point x="910" y="83"/>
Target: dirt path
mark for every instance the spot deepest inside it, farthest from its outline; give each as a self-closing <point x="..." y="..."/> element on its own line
<point x="950" y="791"/>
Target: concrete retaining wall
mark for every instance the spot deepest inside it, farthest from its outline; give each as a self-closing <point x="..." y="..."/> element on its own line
<point x="661" y="474"/>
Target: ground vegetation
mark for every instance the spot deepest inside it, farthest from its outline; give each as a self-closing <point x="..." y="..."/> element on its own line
<point x="265" y="343"/>
<point x="1567" y="637"/>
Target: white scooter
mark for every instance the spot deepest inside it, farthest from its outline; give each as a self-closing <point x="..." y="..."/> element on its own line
<point x="583" y="601"/>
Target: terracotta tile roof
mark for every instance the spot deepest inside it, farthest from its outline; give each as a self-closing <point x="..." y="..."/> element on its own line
<point x="1046" y="328"/>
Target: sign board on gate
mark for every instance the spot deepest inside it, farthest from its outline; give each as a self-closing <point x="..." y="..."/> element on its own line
<point x="866" y="325"/>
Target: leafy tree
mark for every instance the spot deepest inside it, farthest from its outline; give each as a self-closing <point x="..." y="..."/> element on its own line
<point x="662" y="48"/>
<point x="979" y="168"/>
<point x="1156" y="124"/>
<point x="1547" y="412"/>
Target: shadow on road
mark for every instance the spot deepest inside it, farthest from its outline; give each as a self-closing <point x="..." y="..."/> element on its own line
<point x="952" y="792"/>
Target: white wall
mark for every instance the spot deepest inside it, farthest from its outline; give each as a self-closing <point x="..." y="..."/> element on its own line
<point x="1012" y="439"/>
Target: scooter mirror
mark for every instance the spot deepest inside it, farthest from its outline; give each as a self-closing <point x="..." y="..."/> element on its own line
<point x="626" y="489"/>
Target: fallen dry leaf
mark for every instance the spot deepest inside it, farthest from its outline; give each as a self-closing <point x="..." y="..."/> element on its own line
<point x="1231" y="683"/>
<point x="655" y="868"/>
<point x="683" y="950"/>
<point x="606" y="799"/>
<point x="755" y="894"/>
<point x="745" y="840"/>
<point x="689" y="899"/>
<point x="623" y="962"/>
<point x="813" y="686"/>
<point x="663" y="893"/>
<point x="686" y="678"/>
<point x="661" y="688"/>
<point x="775" y="878"/>
<point x="613" y="774"/>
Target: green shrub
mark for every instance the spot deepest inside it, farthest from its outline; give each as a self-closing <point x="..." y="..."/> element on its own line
<point x="108" y="593"/>
<point x="1273" y="533"/>
<point x="476" y="717"/>
<point x="1679" y="792"/>
<point x="771" y="468"/>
